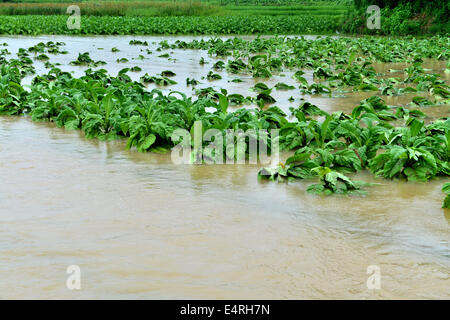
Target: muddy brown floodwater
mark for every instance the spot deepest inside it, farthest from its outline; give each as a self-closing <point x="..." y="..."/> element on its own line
<point x="139" y="226"/>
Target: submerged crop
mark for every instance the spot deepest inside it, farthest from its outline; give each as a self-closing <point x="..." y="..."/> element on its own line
<point x="393" y="142"/>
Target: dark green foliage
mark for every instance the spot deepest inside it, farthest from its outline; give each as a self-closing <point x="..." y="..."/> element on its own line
<point x="446" y="190"/>
<point x="111" y="25"/>
<point x="402" y="17"/>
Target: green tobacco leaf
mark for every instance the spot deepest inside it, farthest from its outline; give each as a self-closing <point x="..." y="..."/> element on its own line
<point x="446" y="188"/>
<point x="446" y="203"/>
<point x="283" y="86"/>
<point x="147" y="143"/>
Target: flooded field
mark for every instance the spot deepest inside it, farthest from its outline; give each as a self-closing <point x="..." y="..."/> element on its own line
<point x="186" y="65"/>
<point x="141" y="227"/>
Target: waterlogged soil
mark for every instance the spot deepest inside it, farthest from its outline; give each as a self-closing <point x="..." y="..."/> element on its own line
<point x="140" y="226"/>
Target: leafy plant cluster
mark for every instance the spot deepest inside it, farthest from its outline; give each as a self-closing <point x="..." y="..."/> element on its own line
<point x="107" y="107"/>
<point x="446" y="190"/>
<point x="366" y="139"/>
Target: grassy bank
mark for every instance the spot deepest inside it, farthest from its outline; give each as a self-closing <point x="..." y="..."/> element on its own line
<point x="172" y="8"/>
<point x="116" y="8"/>
<point x="215" y="2"/>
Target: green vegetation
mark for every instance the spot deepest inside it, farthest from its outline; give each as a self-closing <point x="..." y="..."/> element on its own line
<point x="446" y="190"/>
<point x="401" y="17"/>
<point x="115" y="8"/>
<point x="330" y="9"/>
<point x="34" y="25"/>
<point x="175" y="17"/>
<point x="173" y="8"/>
<point x="398" y="17"/>
<point x="211" y="2"/>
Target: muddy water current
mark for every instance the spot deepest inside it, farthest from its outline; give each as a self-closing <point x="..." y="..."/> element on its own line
<point x="139" y="226"/>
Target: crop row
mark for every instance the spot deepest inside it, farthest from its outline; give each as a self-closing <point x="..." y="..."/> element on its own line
<point x="169" y="25"/>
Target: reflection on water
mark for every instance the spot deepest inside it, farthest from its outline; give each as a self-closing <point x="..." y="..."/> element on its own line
<point x="141" y="227"/>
